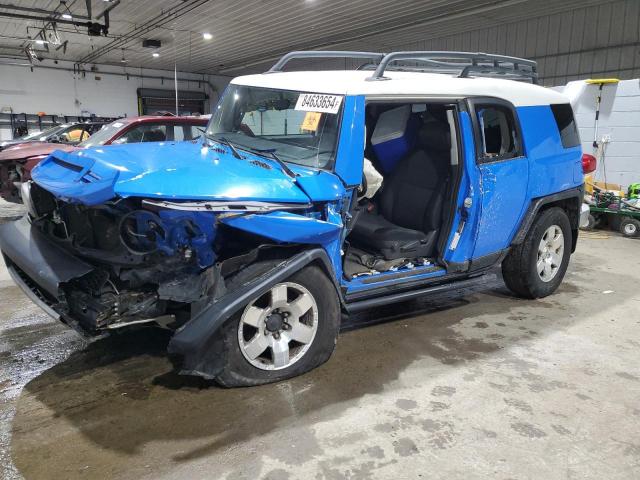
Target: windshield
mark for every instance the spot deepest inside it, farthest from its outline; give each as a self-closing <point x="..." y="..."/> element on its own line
<point x="300" y="128"/>
<point x="44" y="135"/>
<point x="103" y="135"/>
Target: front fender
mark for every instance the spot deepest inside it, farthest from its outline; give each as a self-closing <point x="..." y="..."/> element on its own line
<point x="197" y="343"/>
<point x="286" y="227"/>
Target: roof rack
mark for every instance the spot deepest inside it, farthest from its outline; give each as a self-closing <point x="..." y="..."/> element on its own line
<point x="464" y="62"/>
<point x="461" y="63"/>
<point x="324" y="54"/>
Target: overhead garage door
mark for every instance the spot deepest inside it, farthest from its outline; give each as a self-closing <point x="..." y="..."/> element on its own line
<point x="153" y="100"/>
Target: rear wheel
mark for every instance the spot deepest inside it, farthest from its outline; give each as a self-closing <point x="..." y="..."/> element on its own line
<point x="630" y="227"/>
<point x="288" y="331"/>
<point x="536" y="267"/>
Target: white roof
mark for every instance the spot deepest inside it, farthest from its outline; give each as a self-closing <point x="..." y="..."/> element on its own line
<point x="353" y="82"/>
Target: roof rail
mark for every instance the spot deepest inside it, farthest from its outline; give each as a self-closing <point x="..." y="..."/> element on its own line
<point x="464" y="62"/>
<point x="323" y="54"/>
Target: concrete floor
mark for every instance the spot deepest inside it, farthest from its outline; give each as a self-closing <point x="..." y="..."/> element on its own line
<point x="477" y="386"/>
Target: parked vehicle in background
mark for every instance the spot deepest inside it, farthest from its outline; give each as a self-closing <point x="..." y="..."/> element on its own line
<point x="17" y="161"/>
<point x="67" y="133"/>
<point x="249" y="244"/>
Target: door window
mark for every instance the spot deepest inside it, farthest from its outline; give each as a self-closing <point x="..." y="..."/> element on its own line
<point x="499" y="135"/>
<point x="179" y="133"/>
<point x="196" y="130"/>
<point x="144" y="133"/>
<point x="74" y="134"/>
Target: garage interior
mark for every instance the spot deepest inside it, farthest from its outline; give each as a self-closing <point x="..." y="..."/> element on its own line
<point x="461" y="385"/>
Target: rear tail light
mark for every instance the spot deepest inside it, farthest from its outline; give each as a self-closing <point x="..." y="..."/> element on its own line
<point x="588" y="163"/>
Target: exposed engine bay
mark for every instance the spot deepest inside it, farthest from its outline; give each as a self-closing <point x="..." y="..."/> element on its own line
<point x="150" y="263"/>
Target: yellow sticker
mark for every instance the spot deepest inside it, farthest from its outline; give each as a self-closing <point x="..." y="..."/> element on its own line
<point x="311" y="121"/>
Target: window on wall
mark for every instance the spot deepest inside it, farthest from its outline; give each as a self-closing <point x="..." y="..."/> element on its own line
<point x="563" y="113"/>
<point x="499" y="135"/>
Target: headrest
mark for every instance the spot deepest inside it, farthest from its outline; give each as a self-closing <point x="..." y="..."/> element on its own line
<point x="435" y="136"/>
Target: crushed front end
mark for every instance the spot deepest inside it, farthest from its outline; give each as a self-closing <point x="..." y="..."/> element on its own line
<point x="115" y="264"/>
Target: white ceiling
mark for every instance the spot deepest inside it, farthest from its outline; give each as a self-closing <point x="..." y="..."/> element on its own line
<point x="249" y="35"/>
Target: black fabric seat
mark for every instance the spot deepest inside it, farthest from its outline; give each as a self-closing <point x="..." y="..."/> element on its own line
<point x="410" y="203"/>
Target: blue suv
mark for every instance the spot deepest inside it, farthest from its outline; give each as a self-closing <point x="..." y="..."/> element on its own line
<point x="312" y="194"/>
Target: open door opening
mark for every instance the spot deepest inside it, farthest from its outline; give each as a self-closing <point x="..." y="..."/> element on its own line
<point x="406" y="197"/>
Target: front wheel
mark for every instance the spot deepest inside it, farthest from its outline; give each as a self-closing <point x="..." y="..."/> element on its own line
<point x="536" y="267"/>
<point x="288" y="331"/>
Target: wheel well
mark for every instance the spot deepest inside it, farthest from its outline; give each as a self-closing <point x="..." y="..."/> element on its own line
<point x="571" y="207"/>
<point x="568" y="200"/>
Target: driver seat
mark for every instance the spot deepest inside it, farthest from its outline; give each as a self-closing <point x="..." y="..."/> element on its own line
<point x="410" y="203"/>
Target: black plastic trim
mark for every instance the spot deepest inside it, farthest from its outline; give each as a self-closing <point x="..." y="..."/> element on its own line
<point x="487" y="261"/>
<point x="411" y="294"/>
<point x="456" y="267"/>
<point x="538" y="203"/>
<point x="389" y="290"/>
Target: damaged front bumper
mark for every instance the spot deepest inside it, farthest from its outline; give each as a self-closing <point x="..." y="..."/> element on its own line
<point x="40" y="268"/>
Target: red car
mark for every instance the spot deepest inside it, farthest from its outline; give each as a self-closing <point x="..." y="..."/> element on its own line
<point x="17" y="162"/>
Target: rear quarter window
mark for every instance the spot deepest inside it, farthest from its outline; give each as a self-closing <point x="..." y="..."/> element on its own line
<point x="563" y="113"/>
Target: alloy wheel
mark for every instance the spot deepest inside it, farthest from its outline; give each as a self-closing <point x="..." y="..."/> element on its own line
<point x="277" y="329"/>
<point x="550" y="253"/>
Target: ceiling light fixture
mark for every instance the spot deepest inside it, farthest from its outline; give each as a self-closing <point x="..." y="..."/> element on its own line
<point x="66" y="16"/>
<point x="40" y="42"/>
<point x="207" y="36"/>
<point x="155" y="54"/>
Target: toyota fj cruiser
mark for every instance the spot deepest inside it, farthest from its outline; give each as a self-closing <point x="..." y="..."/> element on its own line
<point x="311" y="194"/>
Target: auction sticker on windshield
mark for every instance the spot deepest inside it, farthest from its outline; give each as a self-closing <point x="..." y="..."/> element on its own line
<point x="316" y="102"/>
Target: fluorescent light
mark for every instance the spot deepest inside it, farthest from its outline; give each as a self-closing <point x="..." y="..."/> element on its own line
<point x="155" y="54"/>
<point x="67" y="16"/>
<point x="207" y="36"/>
<point x="40" y="42"/>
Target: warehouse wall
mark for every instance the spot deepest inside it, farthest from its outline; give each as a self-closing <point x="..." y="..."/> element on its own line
<point x="619" y="121"/>
<point x="599" y="39"/>
<point x="55" y="89"/>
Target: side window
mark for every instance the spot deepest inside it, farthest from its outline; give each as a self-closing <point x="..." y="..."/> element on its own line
<point x="563" y="113"/>
<point x="499" y="135"/>
<point x="197" y="131"/>
<point x="178" y="133"/>
<point x="144" y="133"/>
<point x="187" y="132"/>
<point x="76" y="134"/>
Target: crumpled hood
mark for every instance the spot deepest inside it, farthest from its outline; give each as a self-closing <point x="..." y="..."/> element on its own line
<point x="177" y="171"/>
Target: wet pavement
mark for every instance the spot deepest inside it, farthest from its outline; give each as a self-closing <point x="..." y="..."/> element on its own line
<point x="481" y="385"/>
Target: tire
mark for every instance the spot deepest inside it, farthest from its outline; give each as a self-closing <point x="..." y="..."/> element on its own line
<point x="630" y="227"/>
<point x="591" y="223"/>
<point x="243" y="369"/>
<point x="520" y="267"/>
